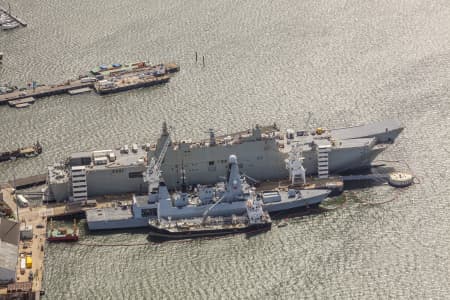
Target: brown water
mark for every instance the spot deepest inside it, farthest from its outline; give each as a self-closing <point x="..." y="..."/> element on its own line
<point x="347" y="62"/>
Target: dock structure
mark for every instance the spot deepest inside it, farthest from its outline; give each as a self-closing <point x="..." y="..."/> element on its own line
<point x="25" y="282"/>
<point x="114" y="81"/>
<point x="44" y="91"/>
<point x="21" y="183"/>
<point x="38" y="217"/>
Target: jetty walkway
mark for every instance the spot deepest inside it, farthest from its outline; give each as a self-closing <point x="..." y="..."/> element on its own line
<point x="76" y="86"/>
<point x="45" y="91"/>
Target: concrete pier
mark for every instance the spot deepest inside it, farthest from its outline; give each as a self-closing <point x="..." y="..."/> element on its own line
<point x="44" y="91"/>
<point x="76" y="86"/>
<point x="21" y="183"/>
<point x="37" y="217"/>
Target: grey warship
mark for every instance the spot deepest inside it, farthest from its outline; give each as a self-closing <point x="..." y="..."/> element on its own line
<point x="225" y="199"/>
<point x="262" y="152"/>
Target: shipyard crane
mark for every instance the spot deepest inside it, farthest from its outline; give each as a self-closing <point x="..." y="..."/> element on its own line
<point x="154" y="167"/>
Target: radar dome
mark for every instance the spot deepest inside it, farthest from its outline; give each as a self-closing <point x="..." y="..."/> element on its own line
<point x="232" y="159"/>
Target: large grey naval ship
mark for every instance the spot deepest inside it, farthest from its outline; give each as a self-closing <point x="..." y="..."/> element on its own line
<point x="224" y="199"/>
<point x="262" y="152"/>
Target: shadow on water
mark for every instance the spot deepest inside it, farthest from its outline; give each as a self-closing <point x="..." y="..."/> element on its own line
<point x="299" y="212"/>
<point x="115" y="231"/>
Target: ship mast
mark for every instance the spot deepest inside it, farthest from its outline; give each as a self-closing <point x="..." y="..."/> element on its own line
<point x="233" y="185"/>
<point x="295" y="166"/>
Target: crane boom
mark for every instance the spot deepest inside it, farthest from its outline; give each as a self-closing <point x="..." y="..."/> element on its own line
<point x="154" y="167"/>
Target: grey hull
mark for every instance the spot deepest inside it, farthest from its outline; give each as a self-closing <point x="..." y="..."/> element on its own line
<point x="118" y="224"/>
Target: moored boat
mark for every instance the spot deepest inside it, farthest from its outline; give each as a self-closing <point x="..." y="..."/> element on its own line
<point x="27" y="152"/>
<point x="255" y="221"/>
<point x="10" y="25"/>
<point x="229" y="197"/>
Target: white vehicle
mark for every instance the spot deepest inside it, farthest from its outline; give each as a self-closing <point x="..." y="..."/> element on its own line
<point x="22" y="201"/>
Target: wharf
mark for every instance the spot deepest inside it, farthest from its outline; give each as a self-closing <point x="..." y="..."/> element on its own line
<point x="37" y="217"/>
<point x="21" y="183"/>
<point x="119" y="81"/>
<point x="34" y="247"/>
<point x="5" y="11"/>
<point x="44" y="91"/>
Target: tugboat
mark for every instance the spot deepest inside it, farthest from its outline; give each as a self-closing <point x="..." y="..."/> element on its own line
<point x="254" y="222"/>
<point x="27" y="152"/>
<point x="63" y="234"/>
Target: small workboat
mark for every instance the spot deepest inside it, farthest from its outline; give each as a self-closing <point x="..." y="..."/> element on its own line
<point x="22" y="105"/>
<point x="27" y="152"/>
<point x="10" y="25"/>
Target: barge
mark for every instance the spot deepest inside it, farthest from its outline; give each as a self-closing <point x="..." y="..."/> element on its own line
<point x="30" y="151"/>
<point x="114" y="86"/>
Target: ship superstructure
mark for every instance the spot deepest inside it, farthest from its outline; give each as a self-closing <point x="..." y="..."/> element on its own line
<point x="103" y="172"/>
<point x="230" y="198"/>
<point x="262" y="153"/>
